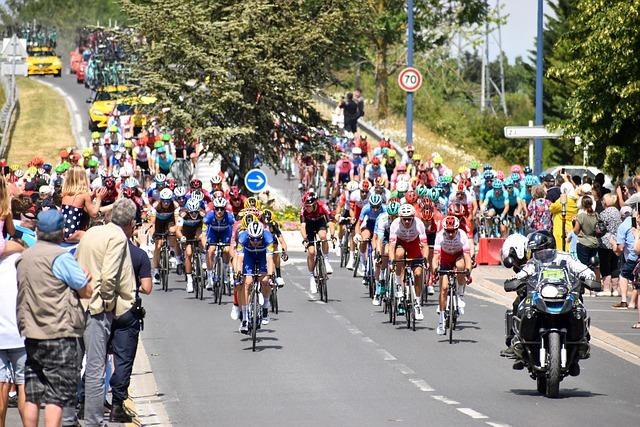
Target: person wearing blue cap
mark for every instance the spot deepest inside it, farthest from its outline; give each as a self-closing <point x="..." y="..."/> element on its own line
<point x="51" y="318"/>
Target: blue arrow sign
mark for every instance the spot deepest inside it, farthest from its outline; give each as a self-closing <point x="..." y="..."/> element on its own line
<point x="255" y="180"/>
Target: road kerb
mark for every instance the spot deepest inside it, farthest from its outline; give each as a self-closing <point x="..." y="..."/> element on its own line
<point x="602" y="339"/>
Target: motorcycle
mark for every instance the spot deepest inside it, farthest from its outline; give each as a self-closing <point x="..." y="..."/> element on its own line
<point x="549" y="332"/>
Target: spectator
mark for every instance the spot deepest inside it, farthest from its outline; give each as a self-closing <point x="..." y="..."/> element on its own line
<point x="563" y="211"/>
<point x="539" y="214"/>
<point x="350" y="112"/>
<point x="12" y="353"/>
<point x="104" y="251"/>
<point x="7" y="247"/>
<point x="610" y="216"/>
<point x="77" y="203"/>
<point x="623" y="245"/>
<point x="50" y="317"/>
<point x="553" y="187"/>
<point x="599" y="179"/>
<point x="585" y="229"/>
<point x="359" y="100"/>
<point x="126" y="328"/>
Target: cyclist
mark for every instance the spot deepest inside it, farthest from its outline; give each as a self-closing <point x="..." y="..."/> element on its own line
<point x="382" y="230"/>
<point x="380" y="187"/>
<point x="314" y="218"/>
<point x="407" y="237"/>
<point x="274" y="228"/>
<point x="357" y="200"/>
<point x="495" y="203"/>
<point x="343" y="215"/>
<point x="373" y="171"/>
<point x="180" y="196"/>
<point x="164" y="220"/>
<point x="451" y="251"/>
<point x="236" y="200"/>
<point x="358" y="162"/>
<point x="432" y="219"/>
<point x="255" y="248"/>
<point x="189" y="228"/>
<point x="163" y="161"/>
<point x="344" y="168"/>
<point x="365" y="227"/>
<point x="219" y="229"/>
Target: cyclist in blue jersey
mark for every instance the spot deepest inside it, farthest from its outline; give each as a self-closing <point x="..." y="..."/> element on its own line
<point x="365" y="226"/>
<point x="525" y="192"/>
<point x="255" y="249"/>
<point x="219" y="223"/>
<point x="487" y="175"/>
<point x="381" y="245"/>
<point x="496" y="203"/>
<point x="159" y="182"/>
<point x="163" y="161"/>
<point x="189" y="228"/>
<point x="358" y="162"/>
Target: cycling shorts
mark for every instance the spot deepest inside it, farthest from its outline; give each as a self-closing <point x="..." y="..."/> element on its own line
<point x="448" y="261"/>
<point x="249" y="262"/>
<point x="344" y="178"/>
<point x="431" y="239"/>
<point x="412" y="248"/>
<point x="512" y="210"/>
<point x="221" y="237"/>
<point x="191" y="232"/>
<point x="369" y="225"/>
<point x="490" y="206"/>
<point x="312" y="227"/>
<point x="162" y="226"/>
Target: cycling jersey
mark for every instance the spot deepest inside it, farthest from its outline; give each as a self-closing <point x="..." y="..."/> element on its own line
<point x="357" y="163"/>
<point x="357" y="202"/>
<point x="344" y="166"/>
<point x="494" y="202"/>
<point x="255" y="254"/>
<point x="368" y="216"/>
<point x="525" y="195"/>
<point x="372" y="172"/>
<point x="451" y="248"/>
<point x="383" y="227"/>
<point x="165" y="164"/>
<point x="190" y="225"/>
<point x="321" y="212"/>
<point x="410" y="238"/>
<point x="219" y="229"/>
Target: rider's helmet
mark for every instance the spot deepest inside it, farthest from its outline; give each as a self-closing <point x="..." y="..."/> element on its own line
<point x="437" y="160"/>
<point x="515" y="177"/>
<point x="401" y="168"/>
<point x="166" y="195"/>
<point x="180" y="191"/>
<point x="527" y="170"/>
<point x="487" y="175"/>
<point x="407" y="211"/>
<point x="375" y="200"/>
<point x="375" y="161"/>
<point x="166" y="137"/>
<point x="500" y="175"/>
<point x="110" y="182"/>
<point x="255" y="230"/>
<point x="128" y="143"/>
<point x="402" y="186"/>
<point x="309" y="198"/>
<point x="410" y="149"/>
<point x="130" y="183"/>
<point x="427" y="211"/>
<point x="195" y="184"/>
<point x="234" y="192"/>
<point x="352" y="186"/>
<point x="508" y="183"/>
<point x="171" y="183"/>
<point x="476" y="181"/>
<point x="251" y="202"/>
<point x="356" y="150"/>
<point x="197" y="195"/>
<point x="365" y="185"/>
<point x="192" y="205"/>
<point x="516" y="169"/>
<point x="219" y="203"/>
<point x="474" y="165"/>
<point x="422" y="190"/>
<point x="160" y="178"/>
<point x="411" y="196"/>
<point x="514" y="251"/>
<point x="95" y="135"/>
<point x="93" y="163"/>
<point x="380" y="181"/>
<point x="450" y="223"/>
<point x="128" y="193"/>
<point x="393" y="208"/>
<point x="530" y="181"/>
<point x="267" y="215"/>
<point x="247" y="219"/>
<point x="497" y="184"/>
<point x="456" y="209"/>
<point x="487" y="167"/>
<point x="539" y="240"/>
<point x="433" y="194"/>
<point x="87" y="152"/>
<point x="216" y="180"/>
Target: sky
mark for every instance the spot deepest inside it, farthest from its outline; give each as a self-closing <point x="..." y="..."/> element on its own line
<point x="518" y="35"/>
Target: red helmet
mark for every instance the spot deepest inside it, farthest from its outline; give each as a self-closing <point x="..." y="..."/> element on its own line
<point x="309" y="198"/>
<point x="196" y="184"/>
<point x="128" y="193"/>
<point x="456" y="209"/>
<point x="411" y="196"/>
<point x="110" y="182"/>
<point x="461" y="187"/>
<point x="365" y="185"/>
<point x="451" y="223"/>
<point x="234" y="192"/>
<point x="171" y="183"/>
<point x="427" y="211"/>
<point x="375" y="161"/>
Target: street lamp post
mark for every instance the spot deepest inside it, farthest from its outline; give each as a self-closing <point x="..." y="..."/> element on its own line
<point x="409" y="121"/>
<point x="539" y="70"/>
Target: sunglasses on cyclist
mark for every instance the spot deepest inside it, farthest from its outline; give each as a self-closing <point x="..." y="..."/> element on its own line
<point x="510" y="187"/>
<point x="220" y="209"/>
<point x="407" y="219"/>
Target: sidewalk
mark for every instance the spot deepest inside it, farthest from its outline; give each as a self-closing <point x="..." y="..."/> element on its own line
<point x="610" y="328"/>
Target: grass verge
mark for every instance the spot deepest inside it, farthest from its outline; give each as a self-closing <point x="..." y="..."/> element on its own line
<point x="43" y="126"/>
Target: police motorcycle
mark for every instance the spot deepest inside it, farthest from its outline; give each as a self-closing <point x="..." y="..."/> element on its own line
<point x="548" y="327"/>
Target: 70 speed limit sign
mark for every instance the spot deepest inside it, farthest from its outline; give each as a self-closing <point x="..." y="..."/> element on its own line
<point x="410" y="79"/>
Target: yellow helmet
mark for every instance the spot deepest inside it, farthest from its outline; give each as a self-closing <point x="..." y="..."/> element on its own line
<point x="252" y="202"/>
<point x="15" y="167"/>
<point x="417" y="157"/>
<point x="248" y="219"/>
<point x="87" y="152"/>
<point x="128" y="143"/>
<point x="391" y="153"/>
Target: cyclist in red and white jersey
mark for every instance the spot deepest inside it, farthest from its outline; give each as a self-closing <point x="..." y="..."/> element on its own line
<point x="315" y="216"/>
<point x="407" y="236"/>
<point x="451" y="251"/>
<point x="357" y="200"/>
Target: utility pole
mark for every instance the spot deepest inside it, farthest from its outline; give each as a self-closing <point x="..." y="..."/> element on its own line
<point x="503" y="98"/>
<point x="539" y="70"/>
<point x="409" y="124"/>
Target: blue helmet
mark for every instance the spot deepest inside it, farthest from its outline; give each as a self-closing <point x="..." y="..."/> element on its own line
<point x="530" y="180"/>
<point x="497" y="185"/>
<point x="515" y="177"/>
<point x="508" y="182"/>
<point x="487" y="175"/>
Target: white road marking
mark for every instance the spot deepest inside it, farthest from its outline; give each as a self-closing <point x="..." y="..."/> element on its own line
<point x="445" y="399"/>
<point x="421" y="384"/>
<point x="471" y="413"/>
<point x="354" y="331"/>
<point x="404" y="369"/>
<point x="330" y="310"/>
<point x="385" y="354"/>
<point x="496" y="424"/>
<point x="368" y="340"/>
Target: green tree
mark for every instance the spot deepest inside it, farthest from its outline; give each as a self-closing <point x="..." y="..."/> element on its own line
<point x="604" y="108"/>
<point x="228" y="70"/>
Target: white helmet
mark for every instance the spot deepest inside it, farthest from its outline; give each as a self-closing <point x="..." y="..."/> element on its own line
<point x="352" y="185"/>
<point x="166" y="194"/>
<point x="402" y="186"/>
<point x="255" y="229"/>
<point x="198" y="196"/>
<point x="476" y="181"/>
<point x="180" y="191"/>
<point x="356" y="150"/>
<point x="406" y="211"/>
<point x="518" y="243"/>
<point x="216" y="179"/>
<point x="219" y="202"/>
<point x="193" y="205"/>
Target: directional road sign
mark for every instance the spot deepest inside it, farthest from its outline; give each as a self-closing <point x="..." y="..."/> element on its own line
<point x="410" y="79"/>
<point x="255" y="180"/>
<point x="525" y="132"/>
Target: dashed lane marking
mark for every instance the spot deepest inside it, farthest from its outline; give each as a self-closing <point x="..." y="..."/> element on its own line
<point x="421" y="384"/>
<point x="385" y="354"/>
<point x="473" y="414"/>
<point x="445" y="400"/>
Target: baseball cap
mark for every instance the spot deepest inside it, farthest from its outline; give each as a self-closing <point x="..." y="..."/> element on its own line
<point x="64" y="154"/>
<point x="50" y="220"/>
<point x="549" y="178"/>
<point x="626" y="210"/>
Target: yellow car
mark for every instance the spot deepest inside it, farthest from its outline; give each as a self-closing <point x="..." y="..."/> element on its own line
<point x="102" y="105"/>
<point x="43" y="61"/>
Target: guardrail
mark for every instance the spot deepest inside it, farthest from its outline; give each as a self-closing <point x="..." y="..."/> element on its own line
<point x="7" y="112"/>
<point x="367" y="127"/>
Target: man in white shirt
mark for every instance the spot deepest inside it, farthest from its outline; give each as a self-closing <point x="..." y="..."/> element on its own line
<point x="12" y="352"/>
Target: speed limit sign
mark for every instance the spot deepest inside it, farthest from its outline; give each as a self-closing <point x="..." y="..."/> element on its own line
<point x="410" y="79"/>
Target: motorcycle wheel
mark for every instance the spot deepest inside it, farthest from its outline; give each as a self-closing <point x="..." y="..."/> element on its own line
<point x="553" y="372"/>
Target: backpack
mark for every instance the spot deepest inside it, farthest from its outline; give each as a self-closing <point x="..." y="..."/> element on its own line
<point x="600" y="229"/>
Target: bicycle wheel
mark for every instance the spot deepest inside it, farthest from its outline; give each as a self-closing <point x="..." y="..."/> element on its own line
<point x="370" y="278"/>
<point x="344" y="250"/>
<point x="392" y="302"/>
<point x="412" y="302"/>
<point x="322" y="277"/>
<point x="253" y="315"/>
<point x="218" y="283"/>
<point x="452" y="308"/>
<point x="273" y="298"/>
<point x="164" y="268"/>
<point x="356" y="263"/>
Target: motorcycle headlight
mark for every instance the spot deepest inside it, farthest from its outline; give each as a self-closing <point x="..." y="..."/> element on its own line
<point x="549" y="292"/>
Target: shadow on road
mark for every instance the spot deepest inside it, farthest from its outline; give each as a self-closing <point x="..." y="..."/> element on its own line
<point x="564" y="393"/>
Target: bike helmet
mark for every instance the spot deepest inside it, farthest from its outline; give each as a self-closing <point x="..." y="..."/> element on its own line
<point x="497" y="184"/>
<point x="508" y="182"/>
<point x="375" y="200"/>
<point x="356" y="150"/>
<point x="195" y="184"/>
<point x="427" y="211"/>
<point x="500" y="175"/>
<point x="487" y="167"/>
<point x="192" y="205"/>
<point x="476" y="181"/>
<point x="393" y="208"/>
<point x="514" y="247"/>
<point x="352" y="186"/>
<point x="197" y="195"/>
<point x="422" y="190"/>
<point x="128" y="193"/>
<point x="437" y="160"/>
<point x="474" y="165"/>
<point x="131" y="183"/>
<point x="407" y="211"/>
<point x="451" y="223"/>
<point x="128" y="143"/>
<point x="171" y="183"/>
<point x="160" y="178"/>
<point x="216" y="180"/>
<point x="267" y="215"/>
<point x="375" y="161"/>
<point x="219" y="203"/>
<point x="410" y="149"/>
<point x="92" y="164"/>
<point x="515" y="177"/>
<point x="402" y="187"/>
<point x="166" y="137"/>
<point x="309" y="198"/>
<point x="19" y="173"/>
<point x="539" y="240"/>
<point x="234" y="192"/>
<point x="487" y="175"/>
<point x="180" y="191"/>
<point x="380" y="181"/>
<point x="158" y="144"/>
<point x="365" y="185"/>
<point x="247" y="219"/>
<point x="95" y="135"/>
<point x="166" y="195"/>
<point x="110" y="182"/>
<point x="411" y="196"/>
<point x="433" y="194"/>
<point x="516" y="169"/>
<point x="530" y="181"/>
<point x="527" y="170"/>
<point x="456" y="209"/>
<point x="255" y="230"/>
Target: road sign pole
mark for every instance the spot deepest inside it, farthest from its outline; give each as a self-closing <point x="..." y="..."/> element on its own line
<point x="539" y="69"/>
<point x="409" y="64"/>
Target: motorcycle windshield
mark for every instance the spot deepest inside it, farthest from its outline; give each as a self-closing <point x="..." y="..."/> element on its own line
<point x="544" y="256"/>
